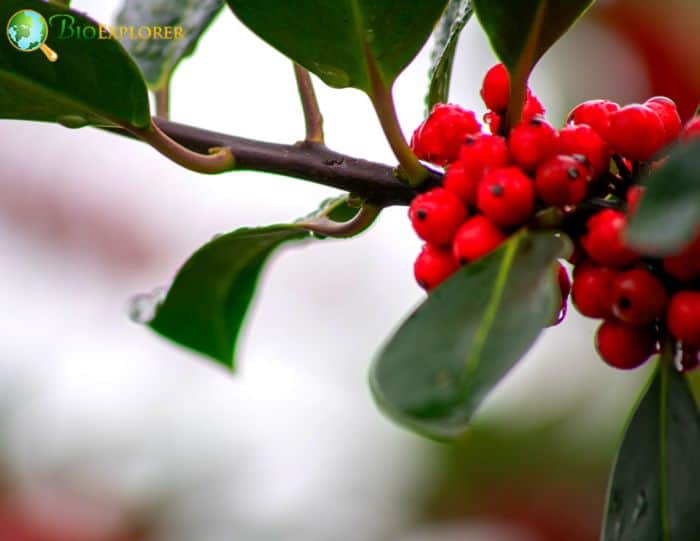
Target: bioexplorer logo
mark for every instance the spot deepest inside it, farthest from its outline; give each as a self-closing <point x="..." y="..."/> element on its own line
<point x="28" y="30"/>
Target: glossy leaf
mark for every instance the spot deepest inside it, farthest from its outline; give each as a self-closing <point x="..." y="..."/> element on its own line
<point x="442" y="57"/>
<point x="205" y="307"/>
<point x="653" y="492"/>
<point x="447" y="356"/>
<point x="158" y="58"/>
<point x="668" y="216"/>
<point x="521" y="31"/>
<point x="94" y="81"/>
<point x="344" y="41"/>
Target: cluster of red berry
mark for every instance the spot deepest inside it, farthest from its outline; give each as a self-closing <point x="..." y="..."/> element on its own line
<point x="495" y="183"/>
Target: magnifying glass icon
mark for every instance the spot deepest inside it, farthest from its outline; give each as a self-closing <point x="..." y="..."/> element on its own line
<point x="27" y="31"/>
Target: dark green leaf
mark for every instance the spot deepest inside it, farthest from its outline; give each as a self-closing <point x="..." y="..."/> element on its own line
<point x="521" y="31"/>
<point x="442" y="57"/>
<point x="344" y="41"/>
<point x="653" y="492"/>
<point x="159" y="58"/>
<point x="448" y="355"/>
<point x="207" y="302"/>
<point x="94" y="81"/>
<point x="668" y="216"/>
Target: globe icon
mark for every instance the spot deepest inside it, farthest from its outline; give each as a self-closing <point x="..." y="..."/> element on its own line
<point x="27" y="31"/>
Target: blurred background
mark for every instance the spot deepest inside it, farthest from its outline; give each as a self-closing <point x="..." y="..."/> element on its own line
<point x="109" y="433"/>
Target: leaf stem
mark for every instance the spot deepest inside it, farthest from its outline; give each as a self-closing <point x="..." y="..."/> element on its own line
<point x="383" y="103"/>
<point x="330" y="228"/>
<point x="162" y="97"/>
<point x="312" y="113"/>
<point x="219" y="159"/>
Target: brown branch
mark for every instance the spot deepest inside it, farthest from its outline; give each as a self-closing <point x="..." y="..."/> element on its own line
<point x="309" y="103"/>
<point x="374" y="182"/>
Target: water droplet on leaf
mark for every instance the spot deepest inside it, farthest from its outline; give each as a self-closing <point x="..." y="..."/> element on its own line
<point x="332" y="75"/>
<point x="143" y="307"/>
<point x="72" y="121"/>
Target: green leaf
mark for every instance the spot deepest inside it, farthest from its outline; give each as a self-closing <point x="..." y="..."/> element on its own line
<point x="159" y="58"/>
<point x="668" y="217"/>
<point x="206" y="304"/>
<point x="93" y="82"/>
<point x="521" y="31"/>
<point x="442" y="57"/>
<point x="344" y="41"/>
<point x="447" y="356"/>
<point x="653" y="493"/>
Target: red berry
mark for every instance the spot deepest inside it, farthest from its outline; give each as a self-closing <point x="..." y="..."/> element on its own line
<point x="479" y="154"/>
<point x="484" y="152"/>
<point x="461" y="182"/>
<point x="639" y="297"/>
<point x="667" y="111"/>
<point x="493" y="120"/>
<point x="685" y="266"/>
<point x="562" y="180"/>
<point x="433" y="266"/>
<point x="634" y="194"/>
<point x="636" y="132"/>
<point x="495" y="90"/>
<point x="436" y="215"/>
<point x="584" y="140"/>
<point x="692" y="129"/>
<point x="532" y="107"/>
<point x="594" y="113"/>
<point x="592" y="291"/>
<point x="440" y="136"/>
<point x="603" y="241"/>
<point x="532" y="142"/>
<point x="624" y="346"/>
<point x="506" y="196"/>
<point x="477" y="237"/>
<point x="683" y="317"/>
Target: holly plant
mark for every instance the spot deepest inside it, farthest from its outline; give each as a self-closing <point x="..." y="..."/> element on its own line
<point x="499" y="200"/>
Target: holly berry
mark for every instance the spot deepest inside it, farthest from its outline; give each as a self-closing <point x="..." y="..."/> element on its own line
<point x="436" y="215"/>
<point x="562" y="180"/>
<point x="495" y="90"/>
<point x="592" y="290"/>
<point x="532" y="142"/>
<point x="624" y="346"/>
<point x="692" y="129"/>
<point x="493" y="121"/>
<point x="636" y="132"/>
<point x="683" y="317"/>
<point x="634" y="194"/>
<point x="483" y="152"/>
<point x="433" y="266"/>
<point x="532" y="106"/>
<point x="685" y="266"/>
<point x="594" y="113"/>
<point x="603" y="241"/>
<point x="584" y="140"/>
<point x="667" y="111"/>
<point x="460" y="181"/>
<point x="506" y="196"/>
<point x="477" y="237"/>
<point x="439" y="138"/>
<point x="639" y="297"/>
